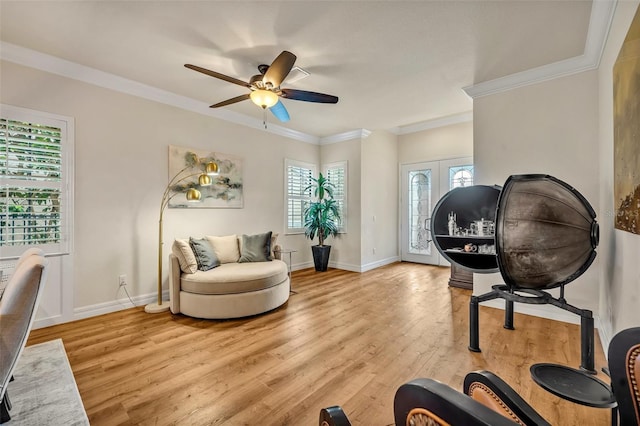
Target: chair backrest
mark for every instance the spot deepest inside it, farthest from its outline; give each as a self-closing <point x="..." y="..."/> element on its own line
<point x="429" y="402"/>
<point x="624" y="366"/>
<point x="493" y="392"/>
<point x="33" y="251"/>
<point x="18" y="308"/>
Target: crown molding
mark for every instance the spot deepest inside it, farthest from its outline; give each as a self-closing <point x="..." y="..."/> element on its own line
<point x="346" y="136"/>
<point x="599" y="24"/>
<point x="462" y="117"/>
<point x="54" y="65"/>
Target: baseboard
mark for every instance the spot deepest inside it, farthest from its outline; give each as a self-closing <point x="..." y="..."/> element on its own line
<point x="117" y="305"/>
<point x="365" y="267"/>
<point x="379" y="263"/>
<point x="605" y="333"/>
<point x="349" y="266"/>
<point x="304" y="265"/>
<point x="543" y="311"/>
<point x="345" y="266"/>
<point x="47" y="322"/>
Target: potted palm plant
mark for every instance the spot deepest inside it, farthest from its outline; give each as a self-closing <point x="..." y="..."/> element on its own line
<point x="321" y="217"/>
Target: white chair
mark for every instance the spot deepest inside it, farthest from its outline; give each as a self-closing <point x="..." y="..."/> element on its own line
<point x="25" y="255"/>
<point x="18" y="308"/>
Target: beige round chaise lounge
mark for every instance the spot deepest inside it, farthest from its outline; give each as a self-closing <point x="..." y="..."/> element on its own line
<point x="230" y="290"/>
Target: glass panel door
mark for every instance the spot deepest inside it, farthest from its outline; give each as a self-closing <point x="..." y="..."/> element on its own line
<point x="420" y="192"/>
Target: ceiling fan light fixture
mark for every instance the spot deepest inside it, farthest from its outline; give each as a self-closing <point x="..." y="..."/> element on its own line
<point x="264" y="98"/>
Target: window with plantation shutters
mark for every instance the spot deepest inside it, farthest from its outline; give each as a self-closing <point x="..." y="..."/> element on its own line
<point x="34" y="194"/>
<point x="297" y="180"/>
<point x="336" y="173"/>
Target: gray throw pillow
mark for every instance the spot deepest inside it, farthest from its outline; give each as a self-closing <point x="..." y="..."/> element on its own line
<point x="256" y="248"/>
<point x="205" y="256"/>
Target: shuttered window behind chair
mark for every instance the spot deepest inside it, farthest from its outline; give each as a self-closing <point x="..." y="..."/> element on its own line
<point x="35" y="195"/>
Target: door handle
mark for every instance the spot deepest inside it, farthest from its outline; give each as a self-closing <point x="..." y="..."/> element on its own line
<point x="427" y="229"/>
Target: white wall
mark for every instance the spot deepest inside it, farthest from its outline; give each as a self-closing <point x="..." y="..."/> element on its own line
<point x="619" y="251"/>
<point x="345" y="249"/>
<point x="121" y="159"/>
<point x="379" y="189"/>
<point x="549" y="128"/>
<point x="441" y="143"/>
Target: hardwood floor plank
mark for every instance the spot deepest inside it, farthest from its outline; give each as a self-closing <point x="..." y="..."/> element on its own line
<point x="345" y="338"/>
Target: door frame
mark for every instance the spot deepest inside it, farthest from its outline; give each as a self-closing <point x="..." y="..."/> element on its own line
<point x="443" y="187"/>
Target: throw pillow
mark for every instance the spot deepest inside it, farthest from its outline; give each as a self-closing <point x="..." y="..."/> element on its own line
<point x="256" y="248"/>
<point x="274" y="238"/>
<point x="182" y="250"/>
<point x="226" y="248"/>
<point x="205" y="256"/>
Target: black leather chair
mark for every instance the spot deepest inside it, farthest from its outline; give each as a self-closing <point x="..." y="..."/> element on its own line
<point x="624" y="367"/>
<point x="487" y="400"/>
<point x="429" y="402"/>
<point x="493" y="392"/>
<point x="18" y="308"/>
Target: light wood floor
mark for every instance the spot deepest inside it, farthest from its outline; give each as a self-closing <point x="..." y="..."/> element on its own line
<point x="344" y="339"/>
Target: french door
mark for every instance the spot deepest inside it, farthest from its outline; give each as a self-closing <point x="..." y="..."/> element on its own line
<point x="422" y="185"/>
<point x="420" y="190"/>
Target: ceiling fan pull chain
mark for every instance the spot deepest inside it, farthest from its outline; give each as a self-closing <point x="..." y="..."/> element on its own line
<point x="264" y="117"/>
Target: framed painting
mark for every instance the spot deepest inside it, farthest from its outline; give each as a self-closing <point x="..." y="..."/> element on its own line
<point x="626" y="128"/>
<point x="226" y="190"/>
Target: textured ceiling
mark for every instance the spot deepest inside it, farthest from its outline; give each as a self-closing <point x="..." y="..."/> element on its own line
<point x="392" y="63"/>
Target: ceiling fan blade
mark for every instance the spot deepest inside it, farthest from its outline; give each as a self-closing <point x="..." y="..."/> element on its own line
<point x="303" y="95"/>
<point x="279" y="68"/>
<point x="218" y="75"/>
<point x="230" y="101"/>
<point x="280" y="112"/>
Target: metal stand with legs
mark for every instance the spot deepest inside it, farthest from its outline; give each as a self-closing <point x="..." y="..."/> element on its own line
<point x="538" y="297"/>
<point x="289" y="252"/>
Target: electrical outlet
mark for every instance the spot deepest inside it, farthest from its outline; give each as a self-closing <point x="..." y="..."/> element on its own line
<point x="122" y="280"/>
<point x="374" y="250"/>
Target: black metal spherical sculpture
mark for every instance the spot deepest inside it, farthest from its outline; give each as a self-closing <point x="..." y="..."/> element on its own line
<point x="545" y="237"/>
<point x="546" y="232"/>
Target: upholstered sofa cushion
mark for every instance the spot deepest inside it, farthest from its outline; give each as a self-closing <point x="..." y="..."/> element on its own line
<point x="182" y="250"/>
<point x="274" y="239"/>
<point x="226" y="248"/>
<point x="255" y="248"/>
<point x="229" y="278"/>
<point x="203" y="251"/>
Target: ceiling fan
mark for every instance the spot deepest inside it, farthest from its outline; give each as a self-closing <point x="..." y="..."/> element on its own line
<point x="265" y="87"/>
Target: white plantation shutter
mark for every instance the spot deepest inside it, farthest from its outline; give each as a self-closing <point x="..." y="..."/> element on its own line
<point x="336" y="173"/>
<point x="34" y="196"/>
<point x="298" y="177"/>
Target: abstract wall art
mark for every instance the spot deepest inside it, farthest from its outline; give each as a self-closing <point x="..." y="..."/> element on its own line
<point x="226" y="190"/>
<point x="626" y="127"/>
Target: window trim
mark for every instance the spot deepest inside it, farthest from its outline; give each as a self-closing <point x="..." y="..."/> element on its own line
<point x="343" y="212"/>
<point x="287" y="164"/>
<point x="67" y="132"/>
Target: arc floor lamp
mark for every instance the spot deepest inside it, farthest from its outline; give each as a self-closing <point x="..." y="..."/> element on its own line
<point x="193" y="195"/>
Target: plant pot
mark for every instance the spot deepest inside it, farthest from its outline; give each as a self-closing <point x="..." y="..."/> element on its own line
<point x="321" y="257"/>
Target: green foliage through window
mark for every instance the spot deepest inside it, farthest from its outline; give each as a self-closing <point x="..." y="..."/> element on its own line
<point x="31" y="183"/>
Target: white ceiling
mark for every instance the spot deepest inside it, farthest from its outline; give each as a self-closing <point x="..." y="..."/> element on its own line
<point x="391" y="63"/>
